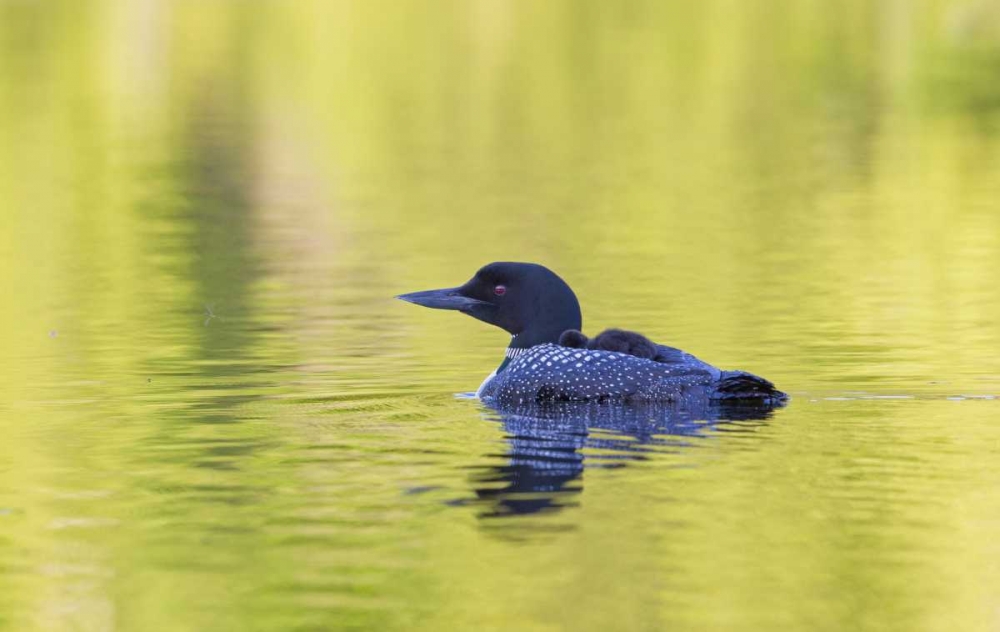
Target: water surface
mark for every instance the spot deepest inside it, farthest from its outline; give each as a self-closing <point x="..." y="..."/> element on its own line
<point x="214" y="416"/>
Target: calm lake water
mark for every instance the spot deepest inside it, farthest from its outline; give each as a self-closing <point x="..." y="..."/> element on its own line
<point x="214" y="416"/>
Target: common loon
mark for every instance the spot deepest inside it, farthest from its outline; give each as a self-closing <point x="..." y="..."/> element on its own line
<point x="549" y="359"/>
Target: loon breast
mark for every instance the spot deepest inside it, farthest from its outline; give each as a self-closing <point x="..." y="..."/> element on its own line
<point x="549" y="372"/>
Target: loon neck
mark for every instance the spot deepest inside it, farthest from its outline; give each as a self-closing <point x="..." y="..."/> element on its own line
<point x="512" y="351"/>
<point x="541" y="333"/>
<point x="532" y="337"/>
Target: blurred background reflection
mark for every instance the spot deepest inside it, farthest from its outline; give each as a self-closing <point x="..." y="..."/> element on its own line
<point x="214" y="416"/>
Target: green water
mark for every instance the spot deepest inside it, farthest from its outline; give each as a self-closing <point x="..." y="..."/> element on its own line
<point x="213" y="416"/>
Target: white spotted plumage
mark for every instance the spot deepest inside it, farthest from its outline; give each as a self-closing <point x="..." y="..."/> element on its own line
<point x="552" y="372"/>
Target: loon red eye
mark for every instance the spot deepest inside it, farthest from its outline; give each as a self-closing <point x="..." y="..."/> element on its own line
<point x="500" y="290"/>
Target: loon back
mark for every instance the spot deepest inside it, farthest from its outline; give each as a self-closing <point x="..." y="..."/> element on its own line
<point x="551" y="372"/>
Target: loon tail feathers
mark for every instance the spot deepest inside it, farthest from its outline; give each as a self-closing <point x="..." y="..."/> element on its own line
<point x="740" y="385"/>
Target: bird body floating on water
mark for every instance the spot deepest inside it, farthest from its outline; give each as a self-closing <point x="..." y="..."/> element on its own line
<point x="550" y="359"/>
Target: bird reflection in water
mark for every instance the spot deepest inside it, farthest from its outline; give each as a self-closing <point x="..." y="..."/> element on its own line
<point x="544" y="466"/>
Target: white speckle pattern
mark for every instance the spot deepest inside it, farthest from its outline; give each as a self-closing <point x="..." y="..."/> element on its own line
<point x="550" y="372"/>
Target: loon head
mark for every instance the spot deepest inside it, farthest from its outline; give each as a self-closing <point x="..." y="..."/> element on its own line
<point x="527" y="300"/>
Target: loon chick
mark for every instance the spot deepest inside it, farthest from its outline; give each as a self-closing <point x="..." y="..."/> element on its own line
<point x="628" y="342"/>
<point x="539" y="310"/>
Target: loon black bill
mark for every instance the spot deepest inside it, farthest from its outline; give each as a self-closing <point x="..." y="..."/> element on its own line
<point x="447" y="298"/>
